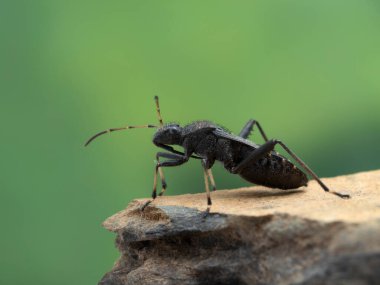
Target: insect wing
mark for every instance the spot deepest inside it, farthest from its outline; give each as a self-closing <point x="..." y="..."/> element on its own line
<point x="223" y="134"/>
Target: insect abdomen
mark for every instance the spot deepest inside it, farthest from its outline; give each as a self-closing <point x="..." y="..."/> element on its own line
<point x="275" y="172"/>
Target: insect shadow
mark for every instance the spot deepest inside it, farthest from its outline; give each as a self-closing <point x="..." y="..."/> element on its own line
<point x="262" y="193"/>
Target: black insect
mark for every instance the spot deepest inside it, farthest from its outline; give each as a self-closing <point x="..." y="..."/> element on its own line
<point x="206" y="141"/>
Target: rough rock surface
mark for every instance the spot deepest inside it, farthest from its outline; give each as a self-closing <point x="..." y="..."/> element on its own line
<point x="253" y="236"/>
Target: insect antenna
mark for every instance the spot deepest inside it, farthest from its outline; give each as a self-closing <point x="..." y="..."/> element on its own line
<point x="130" y="127"/>
<point x="117" y="129"/>
<point x="158" y="111"/>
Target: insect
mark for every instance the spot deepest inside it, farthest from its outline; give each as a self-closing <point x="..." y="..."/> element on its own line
<point x="209" y="142"/>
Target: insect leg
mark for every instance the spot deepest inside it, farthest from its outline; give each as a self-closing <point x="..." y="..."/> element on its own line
<point x="162" y="177"/>
<point x="207" y="163"/>
<point x="172" y="150"/>
<point x="205" y="174"/>
<point x="246" y="131"/>
<point x="307" y="168"/>
<point x="267" y="148"/>
<point x="176" y="160"/>
<point x="254" y="156"/>
<point x="212" y="181"/>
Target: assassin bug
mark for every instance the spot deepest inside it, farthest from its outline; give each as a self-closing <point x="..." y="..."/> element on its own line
<point x="208" y="142"/>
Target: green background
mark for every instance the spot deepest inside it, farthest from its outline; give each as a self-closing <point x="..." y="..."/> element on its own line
<point x="307" y="70"/>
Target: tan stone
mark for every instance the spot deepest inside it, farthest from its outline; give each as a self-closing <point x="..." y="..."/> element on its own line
<point x="254" y="235"/>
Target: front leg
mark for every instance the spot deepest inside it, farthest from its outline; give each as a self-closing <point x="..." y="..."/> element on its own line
<point x="162" y="178"/>
<point x="176" y="160"/>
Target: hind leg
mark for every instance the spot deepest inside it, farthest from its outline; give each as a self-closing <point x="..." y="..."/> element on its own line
<point x="266" y="148"/>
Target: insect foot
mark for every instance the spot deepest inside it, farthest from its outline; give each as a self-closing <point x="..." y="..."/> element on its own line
<point x="145" y="205"/>
<point x="341" y="195"/>
<point x="206" y="213"/>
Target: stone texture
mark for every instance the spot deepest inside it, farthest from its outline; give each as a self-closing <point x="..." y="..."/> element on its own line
<point x="253" y="236"/>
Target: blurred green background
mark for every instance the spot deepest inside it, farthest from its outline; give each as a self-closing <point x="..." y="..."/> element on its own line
<point x="307" y="70"/>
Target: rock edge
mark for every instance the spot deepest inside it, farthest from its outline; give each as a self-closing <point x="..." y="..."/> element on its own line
<point x="268" y="237"/>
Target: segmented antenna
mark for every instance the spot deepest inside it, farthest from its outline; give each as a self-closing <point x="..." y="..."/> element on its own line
<point x="158" y="111"/>
<point x="117" y="129"/>
<point x="129" y="127"/>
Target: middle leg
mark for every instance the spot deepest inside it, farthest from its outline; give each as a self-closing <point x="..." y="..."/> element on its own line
<point x="207" y="163"/>
<point x="206" y="176"/>
<point x="212" y="181"/>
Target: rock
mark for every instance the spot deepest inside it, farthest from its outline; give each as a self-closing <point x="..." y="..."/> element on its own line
<point x="253" y="236"/>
